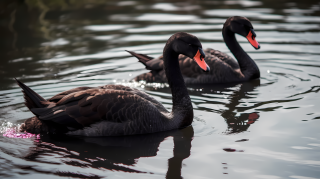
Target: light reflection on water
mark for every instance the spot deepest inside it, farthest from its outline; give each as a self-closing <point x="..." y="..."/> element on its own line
<point x="265" y="128"/>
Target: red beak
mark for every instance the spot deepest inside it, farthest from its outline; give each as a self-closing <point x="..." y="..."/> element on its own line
<point x="252" y="40"/>
<point x="199" y="58"/>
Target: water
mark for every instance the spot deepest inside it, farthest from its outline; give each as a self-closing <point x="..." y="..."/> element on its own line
<point x="265" y="128"/>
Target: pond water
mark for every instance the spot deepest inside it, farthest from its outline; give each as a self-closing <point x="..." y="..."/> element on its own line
<point x="266" y="128"/>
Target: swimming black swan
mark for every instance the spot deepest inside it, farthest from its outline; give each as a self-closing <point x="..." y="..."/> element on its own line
<point x="114" y="110"/>
<point x="225" y="68"/>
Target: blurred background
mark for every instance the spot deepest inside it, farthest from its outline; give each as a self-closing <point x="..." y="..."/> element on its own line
<point x="35" y="31"/>
<point x="61" y="44"/>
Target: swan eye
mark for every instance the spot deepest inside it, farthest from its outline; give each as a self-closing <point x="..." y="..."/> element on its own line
<point x="192" y="45"/>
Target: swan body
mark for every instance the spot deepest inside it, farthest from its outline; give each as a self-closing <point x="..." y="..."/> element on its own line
<point x="226" y="69"/>
<point x="115" y="110"/>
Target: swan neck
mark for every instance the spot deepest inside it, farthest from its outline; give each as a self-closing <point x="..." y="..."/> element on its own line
<point x="182" y="106"/>
<point x="248" y="67"/>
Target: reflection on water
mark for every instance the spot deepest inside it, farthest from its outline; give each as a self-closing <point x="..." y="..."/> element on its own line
<point x="242" y="122"/>
<point x="55" y="46"/>
<point x="107" y="153"/>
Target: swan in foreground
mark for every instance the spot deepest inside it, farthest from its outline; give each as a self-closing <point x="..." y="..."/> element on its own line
<point x="115" y="110"/>
<point x="224" y="68"/>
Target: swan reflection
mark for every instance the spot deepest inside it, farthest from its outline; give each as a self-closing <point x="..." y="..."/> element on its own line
<point x="113" y="153"/>
<point x="234" y="114"/>
<point x="237" y="124"/>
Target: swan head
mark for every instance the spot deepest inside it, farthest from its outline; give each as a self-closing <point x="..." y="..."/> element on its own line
<point x="190" y="46"/>
<point x="242" y="26"/>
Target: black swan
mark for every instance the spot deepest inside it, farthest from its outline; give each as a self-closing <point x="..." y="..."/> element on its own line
<point x="225" y="68"/>
<point x="115" y="110"/>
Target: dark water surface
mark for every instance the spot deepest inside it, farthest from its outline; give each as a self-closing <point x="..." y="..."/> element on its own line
<point x="58" y="45"/>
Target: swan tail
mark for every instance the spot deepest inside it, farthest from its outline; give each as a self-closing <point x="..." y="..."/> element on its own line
<point x="47" y="118"/>
<point x="141" y="57"/>
<point x="34" y="125"/>
<point x="32" y="99"/>
<point x="149" y="62"/>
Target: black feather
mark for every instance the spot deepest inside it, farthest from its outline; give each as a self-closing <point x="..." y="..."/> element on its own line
<point x="32" y="99"/>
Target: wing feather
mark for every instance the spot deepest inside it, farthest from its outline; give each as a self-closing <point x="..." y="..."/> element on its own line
<point x="223" y="57"/>
<point x="118" y="104"/>
<point x="59" y="96"/>
<point x="225" y="69"/>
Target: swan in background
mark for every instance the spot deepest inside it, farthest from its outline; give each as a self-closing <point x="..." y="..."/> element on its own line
<point x="115" y="110"/>
<point x="225" y="68"/>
